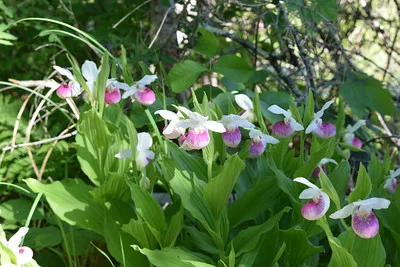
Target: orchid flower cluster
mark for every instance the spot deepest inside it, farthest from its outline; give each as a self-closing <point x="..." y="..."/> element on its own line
<point x="392" y="182"/>
<point x="138" y="91"/>
<point x="364" y="221"/>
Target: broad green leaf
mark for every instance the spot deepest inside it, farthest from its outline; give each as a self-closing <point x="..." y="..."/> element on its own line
<point x="202" y="240"/>
<point x="101" y="82"/>
<point x="114" y="187"/>
<point x="72" y="201"/>
<point x="39" y="238"/>
<point x="119" y="239"/>
<point x="184" y="74"/>
<point x="328" y="188"/>
<point x="219" y="189"/>
<point x="17" y="210"/>
<point x="361" y="91"/>
<point x="247" y="239"/>
<point x="190" y="189"/>
<point x="298" y="247"/>
<point x="98" y="142"/>
<point x="125" y="70"/>
<point x="234" y="67"/>
<point x="363" y="186"/>
<point x="366" y="252"/>
<point x="149" y="209"/>
<point x="206" y="43"/>
<point x="316" y="157"/>
<point x="175" y="223"/>
<point x="340" y="178"/>
<point x="243" y="209"/>
<point x="309" y="109"/>
<point x="173" y="257"/>
<point x="141" y="232"/>
<point x="7" y="36"/>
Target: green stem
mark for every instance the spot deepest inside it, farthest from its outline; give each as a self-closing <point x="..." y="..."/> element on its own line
<point x="65" y="241"/>
<point x="33" y="208"/>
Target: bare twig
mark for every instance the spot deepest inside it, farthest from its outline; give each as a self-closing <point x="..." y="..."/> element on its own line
<point x="130" y="13"/>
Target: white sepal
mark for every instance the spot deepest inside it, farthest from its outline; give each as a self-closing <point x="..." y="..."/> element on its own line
<point x="214" y="126"/>
<point x="309" y="193"/>
<point x="320" y="113"/>
<point x="326" y="160"/>
<point x="124" y="154"/>
<point x="244" y="102"/>
<point x="355" y="127"/>
<point x="64" y="72"/>
<point x="345" y="212"/>
<point x="306" y="182"/>
<point x="375" y="203"/>
<point x="278" y="110"/>
<point x="90" y="71"/>
<point x="312" y="126"/>
<point x="14" y="242"/>
<point x="147" y="79"/>
<point x="295" y="125"/>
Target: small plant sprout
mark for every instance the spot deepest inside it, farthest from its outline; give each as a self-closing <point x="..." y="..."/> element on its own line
<point x="321" y="129"/>
<point x="231" y="122"/>
<point x="259" y="142"/>
<point x="364" y="221"/>
<point x="197" y="137"/>
<point x="286" y="127"/>
<point x="392" y="183"/>
<point x="319" y="200"/>
<point x="246" y="104"/>
<point x="72" y="88"/>
<point x="349" y="137"/>
<point x="139" y="90"/>
<point x="322" y="163"/>
<point x="143" y="153"/>
<point x="22" y="254"/>
<point x="112" y="94"/>
<point x="171" y="131"/>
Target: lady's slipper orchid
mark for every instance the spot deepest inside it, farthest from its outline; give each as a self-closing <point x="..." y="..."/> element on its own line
<point x="197" y="137"/>
<point x="259" y="142"/>
<point x="349" y="137"/>
<point x="364" y="222"/>
<point x="112" y="94"/>
<point x="140" y="91"/>
<point x="322" y="163"/>
<point x="22" y="254"/>
<point x="321" y="129"/>
<point x="143" y="154"/>
<point x="319" y="200"/>
<point x="171" y="131"/>
<point x="286" y="127"/>
<point x="392" y="183"/>
<point x="246" y="104"/>
<point x="231" y="122"/>
<point x="72" y="88"/>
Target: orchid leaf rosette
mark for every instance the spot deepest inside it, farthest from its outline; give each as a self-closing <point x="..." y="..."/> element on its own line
<point x="231" y="122"/>
<point x="286" y="127"/>
<point x="319" y="201"/>
<point x="320" y="128"/>
<point x="364" y="221"/>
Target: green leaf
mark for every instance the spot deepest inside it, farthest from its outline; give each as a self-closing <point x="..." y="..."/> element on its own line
<point x="202" y="240"/>
<point x="247" y="239"/>
<point x="328" y="188"/>
<point x="366" y="252"/>
<point x="207" y="43"/>
<point x="219" y="189"/>
<point x="184" y="74"/>
<point x="149" y="209"/>
<point x="340" y="178"/>
<point x="309" y="109"/>
<point x="17" y="210"/>
<point x="72" y="201"/>
<point x="361" y="91"/>
<point x="175" y="223"/>
<point x="7" y="36"/>
<point x="363" y="186"/>
<point x="298" y="247"/>
<point x="39" y="238"/>
<point x="243" y="209"/>
<point x="234" y="67"/>
<point x="324" y="152"/>
<point x="173" y="257"/>
<point x="101" y="81"/>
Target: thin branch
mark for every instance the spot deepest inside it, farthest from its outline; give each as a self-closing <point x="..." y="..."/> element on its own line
<point x="130" y="13"/>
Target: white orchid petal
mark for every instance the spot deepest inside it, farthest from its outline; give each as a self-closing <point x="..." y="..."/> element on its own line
<point x="127" y="94"/>
<point x="355" y="127"/>
<point x="166" y="114"/>
<point x="376" y="203"/>
<point x="124" y="154"/>
<point x="306" y="182"/>
<point x="147" y="79"/>
<point x="64" y="72"/>
<point x="278" y="110"/>
<point x="214" y="126"/>
<point x="327" y="202"/>
<point x="326" y="160"/>
<point x="244" y="102"/>
<point x="269" y="139"/>
<point x="320" y="113"/>
<point x="295" y="125"/>
<point x="16" y="239"/>
<point x="90" y="71"/>
<point x="244" y="123"/>
<point x="254" y="132"/>
<point x="312" y="126"/>
<point x="309" y="193"/>
<point x="144" y="141"/>
<point x="395" y="173"/>
<point x="346" y="211"/>
<point x="122" y="86"/>
<point x="24" y="255"/>
<point x="143" y="157"/>
<point x="184" y="124"/>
